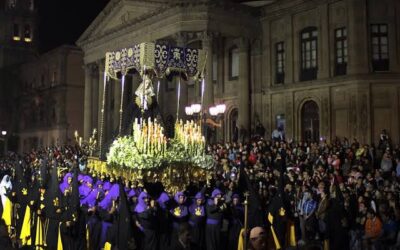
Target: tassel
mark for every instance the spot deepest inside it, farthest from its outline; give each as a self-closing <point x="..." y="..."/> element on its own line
<point x="271" y="221"/>
<point x="292" y="235"/>
<point x="87" y="237"/>
<point x="241" y="240"/>
<point x="7" y="213"/>
<point x="39" y="234"/>
<point x="59" y="241"/>
<point x="107" y="246"/>
<point x="25" y="235"/>
<point x="276" y="241"/>
<point x="326" y="244"/>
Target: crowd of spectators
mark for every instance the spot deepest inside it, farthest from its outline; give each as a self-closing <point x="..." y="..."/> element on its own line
<point x="343" y="193"/>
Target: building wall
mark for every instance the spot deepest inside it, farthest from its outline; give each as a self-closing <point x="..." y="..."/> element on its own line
<point x="13" y="53"/>
<point x="52" y="98"/>
<point x="357" y="105"/>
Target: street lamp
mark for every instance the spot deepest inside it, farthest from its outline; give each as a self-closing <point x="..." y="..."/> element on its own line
<point x="217" y="111"/>
<point x="4" y="139"/>
<point x="189" y="110"/>
<point x="193" y="110"/>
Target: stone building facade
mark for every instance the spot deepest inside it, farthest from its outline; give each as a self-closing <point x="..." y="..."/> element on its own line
<point x="51" y="100"/>
<point x="18" y="44"/>
<point x="315" y="69"/>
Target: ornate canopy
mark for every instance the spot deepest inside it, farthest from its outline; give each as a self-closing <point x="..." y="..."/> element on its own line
<point x="161" y="58"/>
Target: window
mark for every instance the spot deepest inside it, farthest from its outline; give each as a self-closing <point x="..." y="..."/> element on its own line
<point x="309" y="59"/>
<point x="16" y="35"/>
<point x="53" y="78"/>
<point x="215" y="68"/>
<point x="380" y="49"/>
<point x="233" y="63"/>
<point x="340" y="51"/>
<point x="12" y="4"/>
<point x="27" y="33"/>
<point x="280" y="63"/>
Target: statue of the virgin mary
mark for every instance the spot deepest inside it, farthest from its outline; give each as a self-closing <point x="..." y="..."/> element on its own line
<point x="144" y="93"/>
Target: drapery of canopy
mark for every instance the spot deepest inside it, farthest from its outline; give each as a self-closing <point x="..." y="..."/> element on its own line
<point x="161" y="58"/>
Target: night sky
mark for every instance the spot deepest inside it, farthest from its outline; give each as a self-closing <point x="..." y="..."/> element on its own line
<point x="63" y="21"/>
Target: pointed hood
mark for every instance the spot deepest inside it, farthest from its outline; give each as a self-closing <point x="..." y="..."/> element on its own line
<point x="163" y="200"/>
<point x="141" y="205"/>
<point x="124" y="232"/>
<point x="20" y="186"/>
<point x="255" y="213"/>
<point x="111" y="196"/>
<point x="53" y="194"/>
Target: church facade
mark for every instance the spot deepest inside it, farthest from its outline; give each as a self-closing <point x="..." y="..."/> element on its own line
<point x="314" y="69"/>
<point x="18" y="43"/>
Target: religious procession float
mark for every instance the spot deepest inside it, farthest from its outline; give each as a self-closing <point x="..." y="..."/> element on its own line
<point x="147" y="154"/>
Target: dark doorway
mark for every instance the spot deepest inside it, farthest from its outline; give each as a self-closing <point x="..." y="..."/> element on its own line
<point x="310" y="121"/>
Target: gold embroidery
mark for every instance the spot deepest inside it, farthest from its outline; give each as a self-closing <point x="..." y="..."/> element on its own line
<point x="282" y="211"/>
<point x="197" y="212"/>
<point x="56" y="202"/>
<point x="177" y="211"/>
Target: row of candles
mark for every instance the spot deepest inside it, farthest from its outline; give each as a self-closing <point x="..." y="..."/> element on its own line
<point x="149" y="137"/>
<point x="189" y="134"/>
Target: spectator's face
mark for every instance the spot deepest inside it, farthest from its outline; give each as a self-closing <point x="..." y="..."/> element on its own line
<point x="259" y="242"/>
<point x="181" y="199"/>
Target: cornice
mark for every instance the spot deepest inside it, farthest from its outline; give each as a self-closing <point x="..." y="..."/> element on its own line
<point x="85" y="41"/>
<point x="285" y="7"/>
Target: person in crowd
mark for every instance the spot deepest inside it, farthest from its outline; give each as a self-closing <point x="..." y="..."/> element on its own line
<point x="337" y="193"/>
<point x="258" y="239"/>
<point x="146" y="221"/>
<point x="215" y="210"/>
<point x="183" y="238"/>
<point x="179" y="214"/>
<point x="373" y="229"/>
<point x="197" y="219"/>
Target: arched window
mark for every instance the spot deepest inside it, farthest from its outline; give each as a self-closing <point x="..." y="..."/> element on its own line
<point x="309" y="55"/>
<point x="16" y="34"/>
<point x="233" y="63"/>
<point x="27" y="33"/>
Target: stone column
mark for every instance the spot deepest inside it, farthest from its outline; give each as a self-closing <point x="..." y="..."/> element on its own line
<point x="95" y="96"/>
<point x="220" y="67"/>
<point x="101" y="91"/>
<point x="87" y="122"/>
<point x="117" y="104"/>
<point x="101" y="115"/>
<point x="323" y="42"/>
<point x="207" y="43"/>
<point x="243" y="88"/>
<point x="358" y="61"/>
<point x="181" y="42"/>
